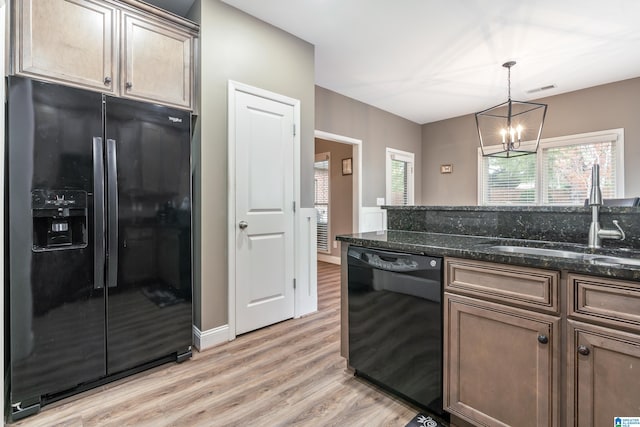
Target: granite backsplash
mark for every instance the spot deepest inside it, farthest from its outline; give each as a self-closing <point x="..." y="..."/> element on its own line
<point x="548" y="223"/>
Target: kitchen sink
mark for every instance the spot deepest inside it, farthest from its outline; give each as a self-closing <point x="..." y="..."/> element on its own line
<point x="615" y="260"/>
<point x="592" y="258"/>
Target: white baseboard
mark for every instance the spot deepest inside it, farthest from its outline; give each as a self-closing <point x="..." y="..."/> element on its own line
<point x="328" y="258"/>
<point x="203" y="340"/>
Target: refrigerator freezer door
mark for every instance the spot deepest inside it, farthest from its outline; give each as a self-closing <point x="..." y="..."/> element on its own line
<point x="56" y="305"/>
<point x="98" y="213"/>
<point x="149" y="307"/>
<point x="112" y="239"/>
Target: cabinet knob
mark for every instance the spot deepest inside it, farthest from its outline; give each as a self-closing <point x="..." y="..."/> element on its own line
<point x="583" y="350"/>
<point x="107" y="81"/>
<point x="543" y="339"/>
<point x="129" y="85"/>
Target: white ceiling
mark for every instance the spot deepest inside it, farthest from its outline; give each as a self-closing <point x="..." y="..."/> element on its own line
<point x="428" y="60"/>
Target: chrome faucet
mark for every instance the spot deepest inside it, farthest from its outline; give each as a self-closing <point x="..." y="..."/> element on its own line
<point x="596" y="233"/>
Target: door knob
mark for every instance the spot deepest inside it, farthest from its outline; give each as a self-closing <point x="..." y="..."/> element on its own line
<point x="243" y="225"/>
<point x="543" y="339"/>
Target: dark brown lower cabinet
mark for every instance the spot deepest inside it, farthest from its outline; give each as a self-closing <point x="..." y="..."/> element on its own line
<point x="510" y="345"/>
<point x="603" y="375"/>
<point x="501" y="364"/>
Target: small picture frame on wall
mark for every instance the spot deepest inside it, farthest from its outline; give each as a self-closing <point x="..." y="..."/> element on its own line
<point x="347" y="168"/>
<point x="446" y="168"/>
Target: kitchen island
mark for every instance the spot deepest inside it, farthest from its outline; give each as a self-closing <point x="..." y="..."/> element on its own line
<point x="539" y="329"/>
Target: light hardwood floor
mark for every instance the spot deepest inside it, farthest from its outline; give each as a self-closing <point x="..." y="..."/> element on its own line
<point x="288" y="374"/>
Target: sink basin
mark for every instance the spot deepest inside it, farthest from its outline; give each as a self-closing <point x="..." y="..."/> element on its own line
<point x="592" y="258"/>
<point x="541" y="251"/>
<point x="615" y="260"/>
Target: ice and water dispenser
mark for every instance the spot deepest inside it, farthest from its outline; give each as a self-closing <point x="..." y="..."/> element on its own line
<point x="59" y="219"/>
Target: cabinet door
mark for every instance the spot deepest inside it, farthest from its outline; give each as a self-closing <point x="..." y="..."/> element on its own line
<point x="501" y="364"/>
<point x="67" y="41"/>
<point x="604" y="375"/>
<point x="157" y="62"/>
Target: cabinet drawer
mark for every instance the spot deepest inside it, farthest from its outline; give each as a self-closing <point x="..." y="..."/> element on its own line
<point x="608" y="301"/>
<point x="521" y="286"/>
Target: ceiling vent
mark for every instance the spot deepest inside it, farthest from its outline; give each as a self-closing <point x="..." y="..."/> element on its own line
<point x="540" y="89"/>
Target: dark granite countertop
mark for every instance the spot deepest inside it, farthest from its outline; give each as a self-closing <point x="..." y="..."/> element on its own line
<point x="481" y="248"/>
<point x="511" y="209"/>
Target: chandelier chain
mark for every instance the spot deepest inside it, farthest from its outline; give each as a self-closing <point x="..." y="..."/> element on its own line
<point x="509" y="82"/>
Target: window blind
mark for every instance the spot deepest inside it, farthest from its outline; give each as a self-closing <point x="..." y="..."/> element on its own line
<point x="399" y="177"/>
<point x="509" y="181"/>
<point x="559" y="174"/>
<point x="566" y="172"/>
<point x="399" y="182"/>
<point x="321" y="203"/>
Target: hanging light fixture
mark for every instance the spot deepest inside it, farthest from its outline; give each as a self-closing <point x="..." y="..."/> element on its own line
<point x="510" y="129"/>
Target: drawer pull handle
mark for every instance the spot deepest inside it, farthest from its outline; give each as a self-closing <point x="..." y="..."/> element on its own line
<point x="583" y="350"/>
<point x="543" y="339"/>
<point x="129" y="85"/>
<point x="107" y="81"/>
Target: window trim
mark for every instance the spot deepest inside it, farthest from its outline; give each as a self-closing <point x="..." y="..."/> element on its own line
<point x="616" y="135"/>
<point x="406" y="156"/>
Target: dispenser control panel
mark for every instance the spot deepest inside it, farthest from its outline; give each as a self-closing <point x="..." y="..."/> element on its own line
<point x="59" y="219"/>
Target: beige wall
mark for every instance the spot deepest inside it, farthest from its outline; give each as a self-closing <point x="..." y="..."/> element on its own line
<point x="377" y="129"/>
<point x="236" y="46"/>
<point x="340" y="191"/>
<point x="455" y="141"/>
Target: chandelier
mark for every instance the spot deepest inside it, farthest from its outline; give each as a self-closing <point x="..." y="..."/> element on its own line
<point x="512" y="128"/>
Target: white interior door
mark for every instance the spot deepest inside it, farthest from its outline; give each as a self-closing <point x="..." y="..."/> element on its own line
<point x="264" y="211"/>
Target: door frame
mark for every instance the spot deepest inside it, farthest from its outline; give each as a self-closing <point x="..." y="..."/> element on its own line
<point x="3" y="21"/>
<point x="357" y="170"/>
<point x="233" y="88"/>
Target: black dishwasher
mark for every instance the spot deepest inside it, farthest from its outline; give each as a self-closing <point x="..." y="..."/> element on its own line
<point x="395" y="323"/>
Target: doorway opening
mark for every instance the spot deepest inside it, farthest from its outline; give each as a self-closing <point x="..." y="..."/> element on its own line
<point x="341" y="213"/>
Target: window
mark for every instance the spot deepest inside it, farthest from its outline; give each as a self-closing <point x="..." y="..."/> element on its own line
<point x="400" y="179"/>
<point x="321" y="171"/>
<point x="559" y="174"/>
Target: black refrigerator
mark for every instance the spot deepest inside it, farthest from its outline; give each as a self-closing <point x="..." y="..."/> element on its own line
<point x="99" y="281"/>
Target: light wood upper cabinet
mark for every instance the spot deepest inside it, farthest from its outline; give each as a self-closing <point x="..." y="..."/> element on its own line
<point x="125" y="48"/>
<point x="68" y="41"/>
<point x="156" y="62"/>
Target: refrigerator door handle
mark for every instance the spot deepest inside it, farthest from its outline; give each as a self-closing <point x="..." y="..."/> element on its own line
<point x="98" y="214"/>
<point x="112" y="190"/>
